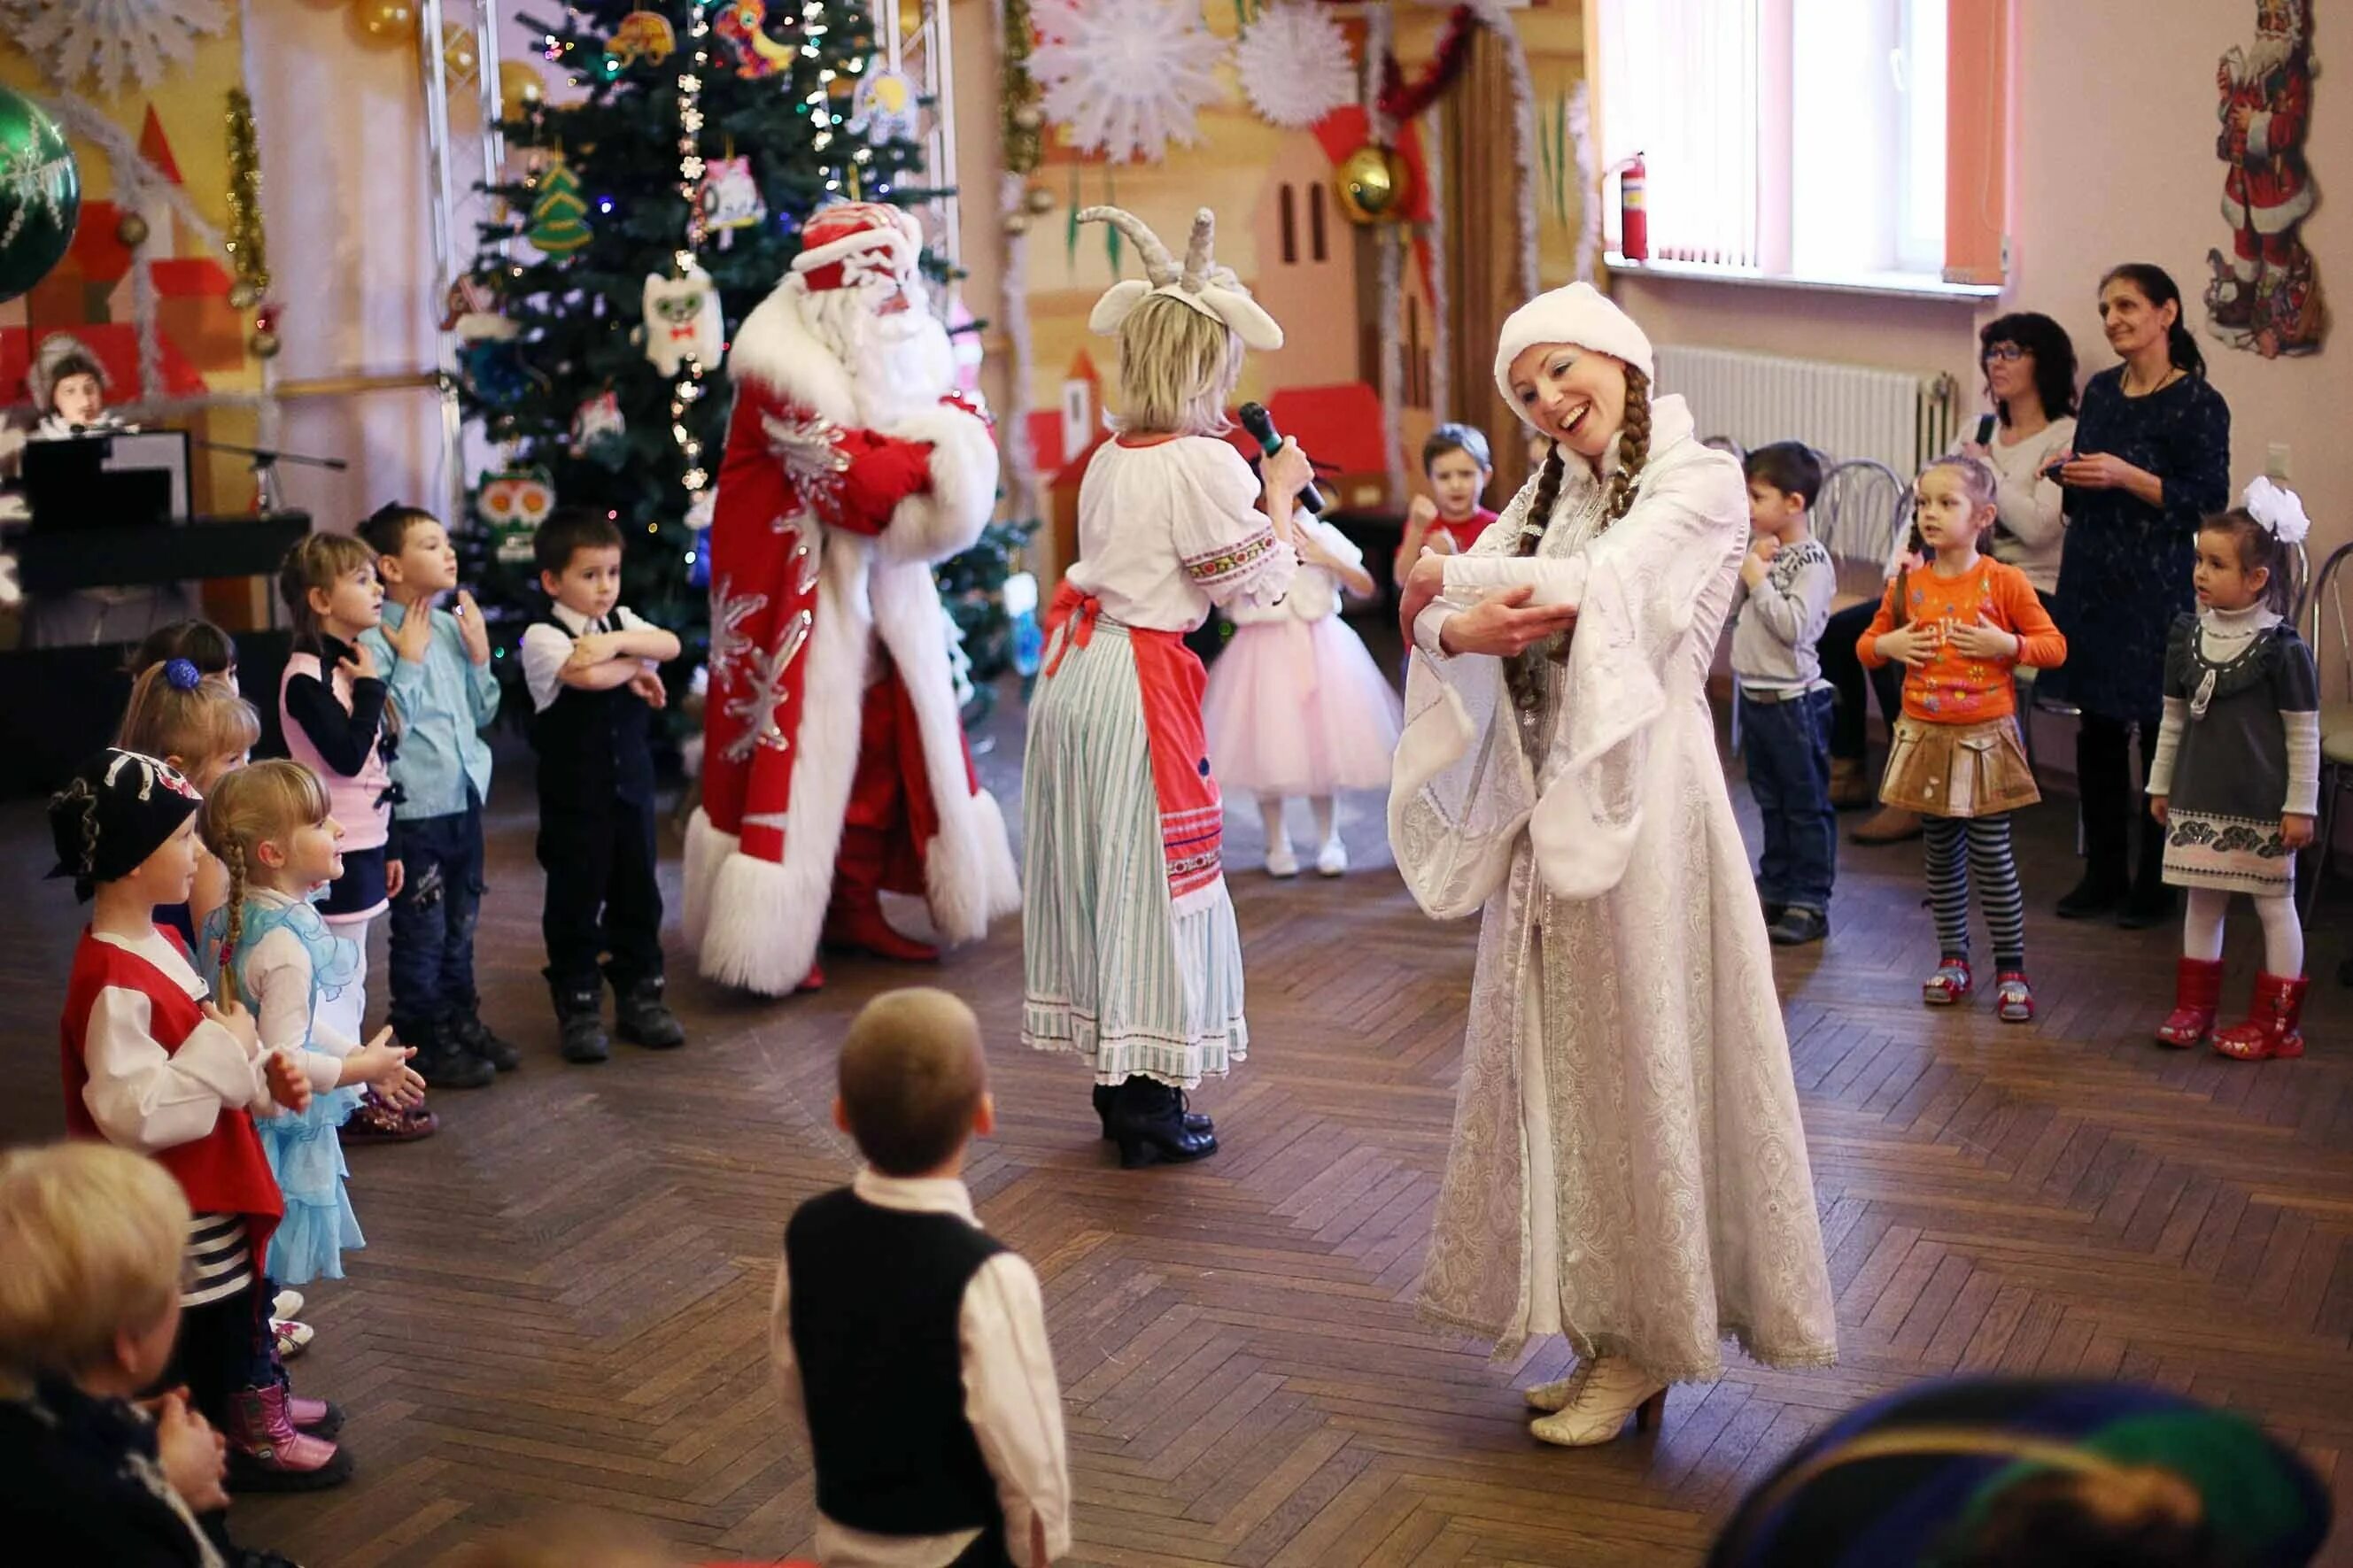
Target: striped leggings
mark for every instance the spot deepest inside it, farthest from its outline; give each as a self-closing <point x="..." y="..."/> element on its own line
<point x="1989" y="860"/>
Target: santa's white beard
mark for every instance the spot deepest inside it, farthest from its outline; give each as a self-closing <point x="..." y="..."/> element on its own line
<point x="2272" y="51"/>
<point x="896" y="364"/>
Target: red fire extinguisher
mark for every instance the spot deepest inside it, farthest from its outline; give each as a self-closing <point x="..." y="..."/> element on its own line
<point x="1633" y="223"/>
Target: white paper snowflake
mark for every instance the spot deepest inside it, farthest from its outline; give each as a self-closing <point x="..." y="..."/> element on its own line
<point x="1294" y="64"/>
<point x="1126" y="77"/>
<point x="108" y="40"/>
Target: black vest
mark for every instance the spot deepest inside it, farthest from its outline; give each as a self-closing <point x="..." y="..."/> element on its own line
<point x="877" y="1302"/>
<point x="593" y="747"/>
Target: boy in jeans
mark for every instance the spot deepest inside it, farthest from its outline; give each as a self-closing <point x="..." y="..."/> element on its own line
<point x="439" y="673"/>
<point x="1784" y="703"/>
<point x="910" y="1345"/>
<point x="589" y="664"/>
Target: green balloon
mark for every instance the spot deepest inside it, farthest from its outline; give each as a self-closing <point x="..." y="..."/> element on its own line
<point x="41" y="194"/>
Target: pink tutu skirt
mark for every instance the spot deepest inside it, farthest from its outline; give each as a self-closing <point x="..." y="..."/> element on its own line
<point x="1299" y="707"/>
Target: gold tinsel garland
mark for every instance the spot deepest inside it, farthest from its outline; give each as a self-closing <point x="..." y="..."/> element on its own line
<point x="1024" y="121"/>
<point x="248" y="255"/>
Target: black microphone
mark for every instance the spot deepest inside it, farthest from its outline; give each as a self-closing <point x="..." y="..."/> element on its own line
<point x="1260" y="425"/>
<point x="1984" y="429"/>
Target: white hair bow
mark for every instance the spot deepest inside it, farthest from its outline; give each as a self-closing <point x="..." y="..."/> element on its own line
<point x="2279" y="509"/>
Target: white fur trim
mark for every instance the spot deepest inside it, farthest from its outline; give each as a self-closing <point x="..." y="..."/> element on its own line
<point x="902" y="251"/>
<point x="967" y="866"/>
<point x="766" y="918"/>
<point x="2272" y="219"/>
<point x="934" y="524"/>
<point x="774" y="347"/>
<point x="1574" y="313"/>
<point x="706" y="849"/>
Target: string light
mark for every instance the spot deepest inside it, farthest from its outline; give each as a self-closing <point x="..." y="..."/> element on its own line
<point x="687" y="390"/>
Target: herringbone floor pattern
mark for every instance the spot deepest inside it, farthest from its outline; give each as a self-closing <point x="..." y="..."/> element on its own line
<point x="563" y="1297"/>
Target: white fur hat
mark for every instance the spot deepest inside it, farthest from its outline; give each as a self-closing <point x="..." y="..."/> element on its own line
<point x="1202" y="285"/>
<point x="56" y="353"/>
<point x="1578" y="313"/>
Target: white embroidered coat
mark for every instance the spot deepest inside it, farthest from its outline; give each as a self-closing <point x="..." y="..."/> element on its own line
<point x="1623" y="1012"/>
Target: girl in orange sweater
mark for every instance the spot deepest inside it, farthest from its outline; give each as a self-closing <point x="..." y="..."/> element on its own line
<point x="1960" y="625"/>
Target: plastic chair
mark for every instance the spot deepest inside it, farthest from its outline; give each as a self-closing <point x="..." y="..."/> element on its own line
<point x="1862" y="505"/>
<point x="2324" y="603"/>
<point x="1726" y="444"/>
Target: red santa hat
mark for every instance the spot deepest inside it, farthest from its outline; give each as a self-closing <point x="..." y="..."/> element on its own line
<point x="849" y="241"/>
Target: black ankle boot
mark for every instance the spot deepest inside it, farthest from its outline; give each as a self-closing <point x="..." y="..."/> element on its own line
<point x="1147" y="1121"/>
<point x="443" y="1063"/>
<point x="2150" y="902"/>
<point x="640" y="1016"/>
<point x="1107" y="1096"/>
<point x="580" y="1016"/>
<point x="469" y="1032"/>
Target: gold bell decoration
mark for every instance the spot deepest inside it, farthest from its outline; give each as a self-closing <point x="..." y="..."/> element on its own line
<point x="1017" y="222"/>
<point x="1039" y="200"/>
<point x="131" y="230"/>
<point x="1373" y="182"/>
<point x="520" y="87"/>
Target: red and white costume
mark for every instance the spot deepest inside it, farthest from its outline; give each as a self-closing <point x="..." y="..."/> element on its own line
<point x="834" y="761"/>
<point x="2266" y="296"/>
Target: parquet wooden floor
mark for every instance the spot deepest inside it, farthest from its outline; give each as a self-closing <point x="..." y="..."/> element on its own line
<point x="563" y="1297"/>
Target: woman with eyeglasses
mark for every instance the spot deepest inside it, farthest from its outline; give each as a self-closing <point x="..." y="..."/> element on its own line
<point x="2030" y="373"/>
<point x="2150" y="461"/>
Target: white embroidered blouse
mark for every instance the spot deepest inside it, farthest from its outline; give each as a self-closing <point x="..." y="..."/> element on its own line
<point x="1168" y="530"/>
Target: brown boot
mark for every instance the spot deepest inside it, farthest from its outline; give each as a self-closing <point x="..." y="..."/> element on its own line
<point x="1849" y="788"/>
<point x="1891" y="825"/>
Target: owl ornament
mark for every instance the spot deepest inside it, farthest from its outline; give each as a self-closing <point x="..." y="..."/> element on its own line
<point x="730" y="198"/>
<point x="683" y="322"/>
<point x="512" y="505"/>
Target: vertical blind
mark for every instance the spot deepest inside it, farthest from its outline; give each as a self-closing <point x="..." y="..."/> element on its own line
<point x="1681" y="87"/>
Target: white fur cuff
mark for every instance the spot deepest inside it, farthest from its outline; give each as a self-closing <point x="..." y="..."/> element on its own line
<point x="946" y="518"/>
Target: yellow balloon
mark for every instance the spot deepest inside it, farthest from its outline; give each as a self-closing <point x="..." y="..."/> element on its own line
<point x="519" y="87"/>
<point x="385" y="24"/>
<point x="1373" y="182"/>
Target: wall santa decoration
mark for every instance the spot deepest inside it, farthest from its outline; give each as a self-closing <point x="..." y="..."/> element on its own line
<point x="2265" y="296"/>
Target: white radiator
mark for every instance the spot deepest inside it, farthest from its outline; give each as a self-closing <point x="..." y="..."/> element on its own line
<point x="1847" y="411"/>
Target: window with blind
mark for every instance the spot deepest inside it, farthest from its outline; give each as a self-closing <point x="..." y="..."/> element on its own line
<point x="1806" y="138"/>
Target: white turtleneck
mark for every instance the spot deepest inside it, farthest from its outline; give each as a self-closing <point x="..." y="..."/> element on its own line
<point x="2223" y="635"/>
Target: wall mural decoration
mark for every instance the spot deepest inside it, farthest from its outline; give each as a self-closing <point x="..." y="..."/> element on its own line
<point x="2264" y="295"/>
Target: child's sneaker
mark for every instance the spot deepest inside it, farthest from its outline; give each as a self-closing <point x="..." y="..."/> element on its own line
<point x="444" y="1063"/>
<point x="1797" y="926"/>
<point x="267" y="1453"/>
<point x="287" y="1304"/>
<point x="293" y="1338"/>
<point x="642" y="1018"/>
<point x="468" y="1031"/>
<point x="580" y="1019"/>
<point x="374" y="1121"/>
<point x="2014" y="998"/>
<point x="1949" y="985"/>
<point x="1281" y="860"/>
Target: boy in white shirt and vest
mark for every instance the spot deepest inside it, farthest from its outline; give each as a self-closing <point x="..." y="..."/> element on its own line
<point x="910" y="1346"/>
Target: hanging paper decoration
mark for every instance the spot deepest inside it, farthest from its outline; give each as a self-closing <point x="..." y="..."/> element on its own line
<point x="883" y="107"/>
<point x="1126" y="78"/>
<point x="643" y="35"/>
<point x="739" y="22"/>
<point x="682" y="321"/>
<point x="559" y="213"/>
<point x="1294" y="64"/>
<point x="1402" y="101"/>
<point x="730" y="198"/>
<point x="249" y="255"/>
<point x="598" y="432"/>
<point x="2265" y="295"/>
<point x="110" y="40"/>
<point x="41" y="194"/>
<point x="512" y="505"/>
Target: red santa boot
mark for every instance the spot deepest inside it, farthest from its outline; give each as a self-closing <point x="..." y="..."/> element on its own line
<point x="2273" y="1025"/>
<point x="854" y="921"/>
<point x="2197" y="996"/>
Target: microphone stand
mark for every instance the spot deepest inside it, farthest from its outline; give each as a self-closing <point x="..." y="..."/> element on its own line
<point x="265" y="466"/>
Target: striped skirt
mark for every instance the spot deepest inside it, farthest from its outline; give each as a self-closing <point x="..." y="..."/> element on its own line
<point x="1114" y="969"/>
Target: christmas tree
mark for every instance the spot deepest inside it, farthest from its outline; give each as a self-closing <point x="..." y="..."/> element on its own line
<point x="747" y="145"/>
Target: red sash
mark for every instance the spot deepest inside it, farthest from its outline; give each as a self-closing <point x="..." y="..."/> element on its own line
<point x="1169" y="681"/>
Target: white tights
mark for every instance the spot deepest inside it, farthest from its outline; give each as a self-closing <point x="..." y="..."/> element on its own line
<point x="2201" y="930"/>
<point x="1269" y="812"/>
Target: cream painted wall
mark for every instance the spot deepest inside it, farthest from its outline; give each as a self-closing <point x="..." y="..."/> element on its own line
<point x="2116" y="162"/>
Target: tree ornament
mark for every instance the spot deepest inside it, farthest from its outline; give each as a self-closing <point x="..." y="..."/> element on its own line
<point x="1294" y="64"/>
<point x="470" y="312"/>
<point x="457" y="57"/>
<point x="682" y="321"/>
<point x="520" y="90"/>
<point x="882" y="108"/>
<point x="512" y="505"/>
<point x="41" y="194"/>
<point x="1126" y="78"/>
<point x="1038" y="200"/>
<point x="265" y="346"/>
<point x="243" y="296"/>
<point x="739" y="22"/>
<point x="131" y="230"/>
<point x="1017" y="222"/>
<point x="384" y="24"/>
<point x="598" y="432"/>
<point x="730" y="198"/>
<point x="1373" y="182"/>
<point x="559" y="213"/>
<point x="1029" y="117"/>
<point x="643" y="35"/>
<point x="110" y="41"/>
<point x="492" y="369"/>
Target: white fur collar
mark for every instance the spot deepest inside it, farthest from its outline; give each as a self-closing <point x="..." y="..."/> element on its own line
<point x="775" y="349"/>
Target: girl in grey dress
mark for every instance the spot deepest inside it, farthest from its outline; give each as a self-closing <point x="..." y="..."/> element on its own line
<point x="2236" y="778"/>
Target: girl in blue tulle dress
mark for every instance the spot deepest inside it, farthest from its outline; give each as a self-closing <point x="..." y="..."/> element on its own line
<point x="270" y="827"/>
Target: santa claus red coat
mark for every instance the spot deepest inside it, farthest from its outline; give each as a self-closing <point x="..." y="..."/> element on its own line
<point x="821" y="544"/>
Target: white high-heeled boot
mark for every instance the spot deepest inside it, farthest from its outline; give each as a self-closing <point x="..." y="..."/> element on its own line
<point x="1556" y="1394"/>
<point x="1612" y="1388"/>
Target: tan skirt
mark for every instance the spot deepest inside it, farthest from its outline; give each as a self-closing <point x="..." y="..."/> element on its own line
<point x="1958" y="769"/>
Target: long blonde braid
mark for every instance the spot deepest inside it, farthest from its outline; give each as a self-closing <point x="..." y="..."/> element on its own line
<point x="265" y="801"/>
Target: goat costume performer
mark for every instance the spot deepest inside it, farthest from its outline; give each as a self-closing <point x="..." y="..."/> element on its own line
<point x="834" y="763"/>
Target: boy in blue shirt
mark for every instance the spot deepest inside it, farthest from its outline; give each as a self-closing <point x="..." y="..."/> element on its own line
<point x="440" y="665"/>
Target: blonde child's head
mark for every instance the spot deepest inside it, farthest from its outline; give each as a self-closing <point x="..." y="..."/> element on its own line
<point x="93" y="1236"/>
<point x="262" y="822"/>
<point x="329" y="575"/>
<point x="914" y="1083"/>
<point x="200" y="725"/>
<point x="1177" y="369"/>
